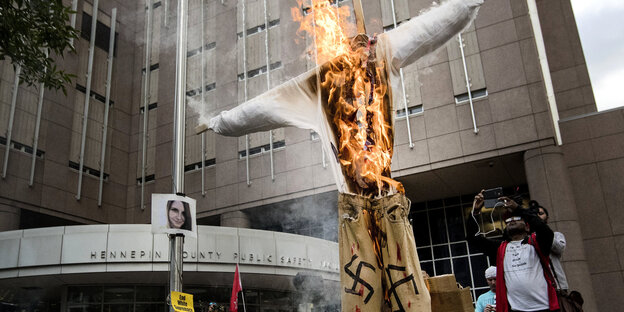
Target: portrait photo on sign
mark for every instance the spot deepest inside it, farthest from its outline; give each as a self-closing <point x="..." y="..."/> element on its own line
<point x="173" y="214"/>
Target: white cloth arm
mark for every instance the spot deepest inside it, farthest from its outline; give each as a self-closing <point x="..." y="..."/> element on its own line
<point x="293" y="103"/>
<point x="559" y="244"/>
<point x="429" y="31"/>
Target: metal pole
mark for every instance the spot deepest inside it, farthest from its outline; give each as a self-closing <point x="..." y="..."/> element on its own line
<point x="245" y="89"/>
<point x="176" y="264"/>
<point x="180" y="100"/>
<point x="409" y="128"/>
<point x="85" y="116"/>
<point x="109" y="74"/>
<point x="166" y="13"/>
<point x="268" y="80"/>
<point x="461" y="49"/>
<point x="72" y="19"/>
<point x="203" y="101"/>
<point x="176" y="242"/>
<point x="36" y="135"/>
<point x="146" y="94"/>
<point x="9" y="132"/>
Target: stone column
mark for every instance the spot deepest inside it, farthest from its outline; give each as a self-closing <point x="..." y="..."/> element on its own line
<point x="549" y="183"/>
<point x="9" y="218"/>
<point x="237" y="219"/>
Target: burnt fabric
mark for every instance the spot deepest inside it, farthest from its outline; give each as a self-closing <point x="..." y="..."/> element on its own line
<point x="380" y="267"/>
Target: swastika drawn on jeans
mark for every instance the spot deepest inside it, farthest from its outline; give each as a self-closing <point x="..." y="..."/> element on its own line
<point x="395" y="285"/>
<point x="357" y="279"/>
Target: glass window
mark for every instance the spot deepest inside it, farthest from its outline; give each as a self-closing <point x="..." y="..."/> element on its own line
<point x="150" y="294"/>
<point x="151" y="307"/>
<point x="119" y="294"/>
<point x="441" y="252"/>
<point x="248" y="308"/>
<point x="421" y="228"/>
<point x="438" y="226"/>
<point x="275" y="298"/>
<point x="461" y="267"/>
<point x="459" y="249"/>
<point x="85" y="308"/>
<point x="455" y="223"/>
<point x="127" y="307"/>
<point x="443" y="267"/>
<point x="424" y="254"/>
<point x="251" y="296"/>
<point x="427" y="267"/>
<point x="479" y="264"/>
<point x="85" y="294"/>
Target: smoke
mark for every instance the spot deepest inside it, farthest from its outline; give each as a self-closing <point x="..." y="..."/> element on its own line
<point x="314" y="215"/>
<point x="313" y="291"/>
<point x="203" y="111"/>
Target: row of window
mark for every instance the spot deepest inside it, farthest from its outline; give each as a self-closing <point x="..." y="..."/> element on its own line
<point x="124" y="298"/>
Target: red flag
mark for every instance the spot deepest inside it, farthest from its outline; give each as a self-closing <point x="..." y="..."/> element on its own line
<point x="236" y="288"/>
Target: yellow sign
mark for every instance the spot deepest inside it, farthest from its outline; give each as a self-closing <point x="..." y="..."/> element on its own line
<point x="182" y="302"/>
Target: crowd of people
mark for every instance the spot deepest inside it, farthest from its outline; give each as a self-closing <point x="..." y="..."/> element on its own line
<point x="528" y="276"/>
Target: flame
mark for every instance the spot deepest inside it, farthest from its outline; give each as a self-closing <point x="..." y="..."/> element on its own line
<point x="356" y="96"/>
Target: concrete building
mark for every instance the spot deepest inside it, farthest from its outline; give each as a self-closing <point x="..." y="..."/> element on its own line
<point x="535" y="130"/>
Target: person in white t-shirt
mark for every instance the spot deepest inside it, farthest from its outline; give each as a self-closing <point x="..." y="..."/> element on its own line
<point x="522" y="284"/>
<point x="557" y="249"/>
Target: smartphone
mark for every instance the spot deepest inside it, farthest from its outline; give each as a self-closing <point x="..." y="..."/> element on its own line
<point x="491" y="196"/>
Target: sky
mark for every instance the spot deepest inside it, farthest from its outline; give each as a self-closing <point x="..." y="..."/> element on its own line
<point x="601" y="27"/>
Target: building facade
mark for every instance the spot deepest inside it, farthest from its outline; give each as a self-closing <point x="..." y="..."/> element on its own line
<point x="508" y="103"/>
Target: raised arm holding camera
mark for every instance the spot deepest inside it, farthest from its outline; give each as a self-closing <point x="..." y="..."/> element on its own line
<point x="524" y="282"/>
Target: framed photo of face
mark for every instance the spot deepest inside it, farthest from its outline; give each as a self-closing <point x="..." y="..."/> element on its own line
<point x="173" y="214"/>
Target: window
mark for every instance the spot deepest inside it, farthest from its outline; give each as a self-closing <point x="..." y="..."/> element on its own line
<point x="414" y="110"/>
<point x="23" y="130"/>
<point x="256" y="140"/>
<point x="94" y="135"/>
<point x="401" y="12"/>
<point x="259" y="66"/>
<point x="152" y="110"/>
<point x="474" y="67"/>
<point x="102" y="32"/>
<point x="477" y="94"/>
<point x="439" y="230"/>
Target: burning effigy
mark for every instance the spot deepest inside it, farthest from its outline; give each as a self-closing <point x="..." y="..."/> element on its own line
<point x="347" y="100"/>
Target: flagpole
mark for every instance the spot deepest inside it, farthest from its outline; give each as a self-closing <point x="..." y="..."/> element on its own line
<point x="176" y="242"/>
<point x="242" y="293"/>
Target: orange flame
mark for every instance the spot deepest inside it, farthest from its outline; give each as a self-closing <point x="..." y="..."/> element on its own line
<point x="357" y="100"/>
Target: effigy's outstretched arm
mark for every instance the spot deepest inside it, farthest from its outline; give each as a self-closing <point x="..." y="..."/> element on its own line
<point x="428" y="31"/>
<point x="293" y="103"/>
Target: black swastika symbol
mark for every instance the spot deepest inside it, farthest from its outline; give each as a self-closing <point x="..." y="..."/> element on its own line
<point x="357" y="279"/>
<point x="395" y="285"/>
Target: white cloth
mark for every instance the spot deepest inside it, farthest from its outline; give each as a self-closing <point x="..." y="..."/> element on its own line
<point x="296" y="103"/>
<point x="558" y="246"/>
<point x="524" y="277"/>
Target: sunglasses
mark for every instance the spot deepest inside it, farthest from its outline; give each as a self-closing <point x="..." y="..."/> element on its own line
<point x="508" y="220"/>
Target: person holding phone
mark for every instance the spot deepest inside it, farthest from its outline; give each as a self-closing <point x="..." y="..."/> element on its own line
<point x="523" y="279"/>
